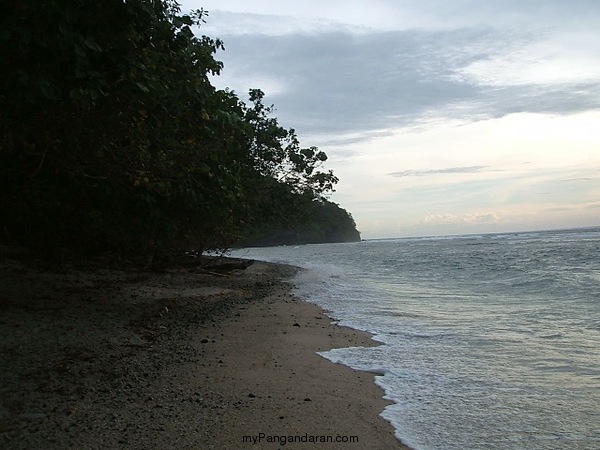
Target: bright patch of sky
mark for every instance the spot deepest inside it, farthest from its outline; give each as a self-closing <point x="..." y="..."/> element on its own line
<point x="439" y="117"/>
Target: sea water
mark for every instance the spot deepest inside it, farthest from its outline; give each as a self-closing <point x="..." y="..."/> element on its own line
<point x="488" y="342"/>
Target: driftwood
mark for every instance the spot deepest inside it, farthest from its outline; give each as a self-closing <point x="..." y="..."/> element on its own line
<point x="224" y="266"/>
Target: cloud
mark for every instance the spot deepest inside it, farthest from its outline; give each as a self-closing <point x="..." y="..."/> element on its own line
<point x="335" y="82"/>
<point x="449" y="170"/>
<point x="407" y="14"/>
<point x="593" y="206"/>
<point x="462" y="219"/>
<point x="342" y="82"/>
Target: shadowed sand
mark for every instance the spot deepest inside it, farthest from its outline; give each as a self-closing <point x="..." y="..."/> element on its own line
<point x="98" y="358"/>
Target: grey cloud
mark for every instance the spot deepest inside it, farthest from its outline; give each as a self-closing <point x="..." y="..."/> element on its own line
<point x="343" y="82"/>
<point x="338" y="83"/>
<point x="585" y="179"/>
<point x="561" y="99"/>
<point x="348" y="139"/>
<point x="448" y="170"/>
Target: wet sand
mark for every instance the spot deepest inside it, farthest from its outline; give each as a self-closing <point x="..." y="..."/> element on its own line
<point x="187" y="357"/>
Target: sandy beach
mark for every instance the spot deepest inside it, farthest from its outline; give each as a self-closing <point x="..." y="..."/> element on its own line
<point x="210" y="357"/>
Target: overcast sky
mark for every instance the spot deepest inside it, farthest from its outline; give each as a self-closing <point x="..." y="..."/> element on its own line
<point x="439" y="117"/>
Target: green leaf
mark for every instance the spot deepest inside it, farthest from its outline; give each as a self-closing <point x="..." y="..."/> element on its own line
<point x="142" y="87"/>
<point x="91" y="44"/>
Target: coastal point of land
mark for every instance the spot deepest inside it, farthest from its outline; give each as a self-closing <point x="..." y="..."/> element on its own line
<point x="218" y="356"/>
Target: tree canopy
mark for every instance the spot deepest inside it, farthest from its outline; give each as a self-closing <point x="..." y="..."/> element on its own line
<point x="113" y="137"/>
<point x="325" y="222"/>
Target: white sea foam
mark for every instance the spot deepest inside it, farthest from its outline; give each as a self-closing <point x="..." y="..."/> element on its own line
<point x="489" y="342"/>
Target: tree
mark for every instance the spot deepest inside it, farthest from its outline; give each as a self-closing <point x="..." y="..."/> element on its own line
<point x="112" y="136"/>
<point x="324" y="222"/>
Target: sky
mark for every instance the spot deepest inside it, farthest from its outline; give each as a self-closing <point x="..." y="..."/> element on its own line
<point x="439" y="117"/>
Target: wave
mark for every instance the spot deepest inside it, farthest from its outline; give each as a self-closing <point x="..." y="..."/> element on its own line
<point x="488" y="341"/>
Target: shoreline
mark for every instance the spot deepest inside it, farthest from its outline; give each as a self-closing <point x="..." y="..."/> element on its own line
<point x="184" y="358"/>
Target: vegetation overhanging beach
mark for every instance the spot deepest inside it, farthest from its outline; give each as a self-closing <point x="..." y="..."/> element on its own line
<point x="113" y="138"/>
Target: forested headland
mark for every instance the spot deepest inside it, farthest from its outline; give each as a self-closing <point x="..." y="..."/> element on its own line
<point x="114" y="139"/>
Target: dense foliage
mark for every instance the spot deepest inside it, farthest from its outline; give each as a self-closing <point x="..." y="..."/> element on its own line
<point x="325" y="222"/>
<point x="112" y="136"/>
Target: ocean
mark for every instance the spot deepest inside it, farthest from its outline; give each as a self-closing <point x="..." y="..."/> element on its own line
<point x="488" y="341"/>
